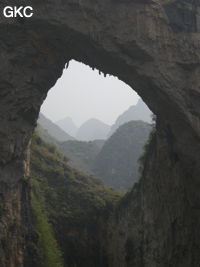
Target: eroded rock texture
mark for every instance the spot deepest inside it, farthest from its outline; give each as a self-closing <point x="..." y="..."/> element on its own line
<point x="155" y="224"/>
<point x="152" y="45"/>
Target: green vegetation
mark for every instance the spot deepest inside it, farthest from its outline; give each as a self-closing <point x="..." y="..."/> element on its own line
<point x="44" y="134"/>
<point x="142" y="158"/>
<point x="69" y="206"/>
<point x="81" y="154"/>
<point x="49" y="253"/>
<point x="117" y="163"/>
<point x="138" y="112"/>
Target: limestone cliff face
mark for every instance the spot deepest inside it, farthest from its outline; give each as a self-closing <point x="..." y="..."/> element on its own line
<point x="155" y="224"/>
<point x="152" y="45"/>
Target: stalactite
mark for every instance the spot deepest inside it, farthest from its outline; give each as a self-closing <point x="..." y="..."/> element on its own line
<point x="67" y="65"/>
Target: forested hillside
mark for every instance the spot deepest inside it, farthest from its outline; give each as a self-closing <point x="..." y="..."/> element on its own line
<point x="81" y="154"/>
<point x="68" y="208"/>
<point x="117" y="163"/>
<point x="113" y="161"/>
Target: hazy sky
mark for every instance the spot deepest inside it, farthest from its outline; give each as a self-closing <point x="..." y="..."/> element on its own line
<point x="82" y="93"/>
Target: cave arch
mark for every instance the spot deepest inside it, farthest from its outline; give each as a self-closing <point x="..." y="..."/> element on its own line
<point x="140" y="42"/>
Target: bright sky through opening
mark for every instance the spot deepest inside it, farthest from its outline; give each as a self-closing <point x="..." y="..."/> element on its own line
<point x="82" y="93"/>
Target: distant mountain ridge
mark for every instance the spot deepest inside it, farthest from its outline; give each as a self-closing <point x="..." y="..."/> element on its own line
<point x="92" y="129"/>
<point x="48" y="129"/>
<point x="140" y="111"/>
<point x="113" y="161"/>
<point x="68" y="126"/>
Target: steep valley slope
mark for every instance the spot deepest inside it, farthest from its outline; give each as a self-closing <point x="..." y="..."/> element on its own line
<point x="117" y="164"/>
<point x="81" y="154"/>
<point x="68" y="212"/>
<point x="116" y="161"/>
<point x="50" y="131"/>
<point x="76" y="217"/>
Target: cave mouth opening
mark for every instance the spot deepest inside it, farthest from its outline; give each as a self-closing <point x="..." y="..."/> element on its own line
<point x="80" y="202"/>
<point x="91" y="110"/>
<point x="82" y="92"/>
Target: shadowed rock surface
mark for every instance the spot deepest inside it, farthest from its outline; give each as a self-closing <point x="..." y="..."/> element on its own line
<point x="154" y="47"/>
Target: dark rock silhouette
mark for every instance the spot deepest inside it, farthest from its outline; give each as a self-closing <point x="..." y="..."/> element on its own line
<point x="153" y="46"/>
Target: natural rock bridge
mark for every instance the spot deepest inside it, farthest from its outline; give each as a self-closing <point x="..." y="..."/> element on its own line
<point x="152" y="45"/>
